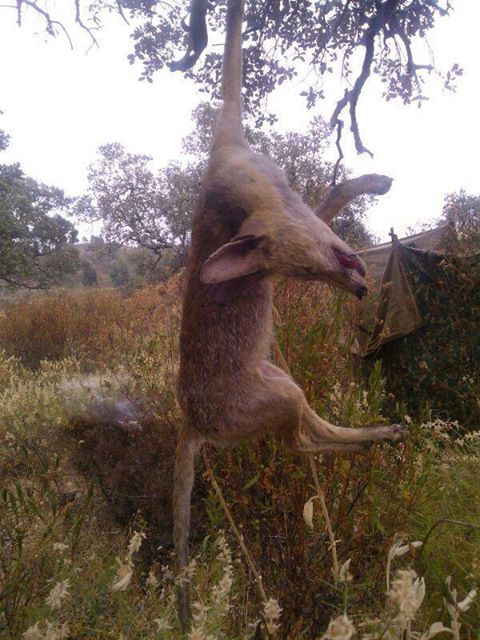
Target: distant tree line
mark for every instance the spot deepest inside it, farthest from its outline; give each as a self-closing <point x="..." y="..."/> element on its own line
<point x="153" y="210"/>
<point x="146" y="215"/>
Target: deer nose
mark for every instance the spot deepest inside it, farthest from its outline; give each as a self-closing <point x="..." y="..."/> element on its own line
<point x="361" y="292"/>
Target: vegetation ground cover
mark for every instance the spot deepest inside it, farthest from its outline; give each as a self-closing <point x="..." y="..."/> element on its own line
<point x="74" y="493"/>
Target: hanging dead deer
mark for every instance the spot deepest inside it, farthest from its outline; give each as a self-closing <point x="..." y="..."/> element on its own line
<point x="250" y="225"/>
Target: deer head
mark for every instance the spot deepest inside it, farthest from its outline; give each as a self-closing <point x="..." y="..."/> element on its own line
<point x="289" y="239"/>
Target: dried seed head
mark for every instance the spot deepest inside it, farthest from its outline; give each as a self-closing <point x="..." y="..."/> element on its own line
<point x="406" y="594"/>
<point x="123" y="577"/>
<point x="339" y="628"/>
<point x="271" y="614"/>
<point x="58" y="594"/>
<point x="344" y="574"/>
<point x="308" y="513"/>
<point x="135" y="543"/>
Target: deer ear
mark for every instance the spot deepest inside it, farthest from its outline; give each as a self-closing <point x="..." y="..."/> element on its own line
<point x="241" y="257"/>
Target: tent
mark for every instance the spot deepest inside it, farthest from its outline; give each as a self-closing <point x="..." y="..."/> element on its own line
<point x="393" y="312"/>
<point x="422" y="321"/>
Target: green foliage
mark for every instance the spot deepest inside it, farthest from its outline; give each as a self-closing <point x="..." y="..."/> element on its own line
<point x="284" y="38"/>
<point x="282" y="41"/>
<point x="370" y="497"/>
<point x="35" y="239"/>
<point x="89" y="274"/>
<point x="58" y="566"/>
<point x="462" y="211"/>
<point x="119" y="274"/>
<point x="136" y="206"/>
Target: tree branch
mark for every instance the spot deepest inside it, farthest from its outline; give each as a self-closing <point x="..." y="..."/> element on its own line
<point x="338" y="197"/>
<point x="79" y="21"/>
<point x="24" y="285"/>
<point x="121" y="13"/>
<point x="338" y="144"/>
<point x="378" y="22"/>
<point x="48" y="19"/>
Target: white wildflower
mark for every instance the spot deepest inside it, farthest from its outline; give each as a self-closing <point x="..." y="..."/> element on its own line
<point x="466" y="603"/>
<point x="271" y="614"/>
<point x="398" y="549"/>
<point x="58" y="594"/>
<point x="433" y="630"/>
<point x="152" y="580"/>
<point x="56" y="632"/>
<point x="33" y="633"/>
<point x="407" y="593"/>
<point x="365" y="399"/>
<point x="308" y="513"/>
<point x="135" y="543"/>
<point x="221" y="591"/>
<point x="199" y="617"/>
<point x="123" y="577"/>
<point x="167" y="573"/>
<point x="344" y="574"/>
<point x="454" y="618"/>
<point x="339" y="628"/>
<point x="162" y="624"/>
<point x="224" y="553"/>
<point x="187" y="573"/>
<point x="199" y="614"/>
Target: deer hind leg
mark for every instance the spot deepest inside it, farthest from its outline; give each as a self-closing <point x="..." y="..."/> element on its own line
<point x="321" y="431"/>
<point x="307" y="432"/>
<point x="269" y="401"/>
<point x="287" y="414"/>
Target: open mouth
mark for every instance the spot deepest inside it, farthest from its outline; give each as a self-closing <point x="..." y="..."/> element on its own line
<point x="351" y="261"/>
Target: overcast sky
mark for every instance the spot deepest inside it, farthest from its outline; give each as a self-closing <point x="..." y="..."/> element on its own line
<point x="60" y="105"/>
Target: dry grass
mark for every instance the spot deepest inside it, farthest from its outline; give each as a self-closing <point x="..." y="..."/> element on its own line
<point x="91" y="325"/>
<point x="86" y="485"/>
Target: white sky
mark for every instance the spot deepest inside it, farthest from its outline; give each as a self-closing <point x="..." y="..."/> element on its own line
<point x="60" y="105"/>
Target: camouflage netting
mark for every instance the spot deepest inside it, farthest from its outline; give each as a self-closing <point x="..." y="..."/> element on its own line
<point x="426" y="332"/>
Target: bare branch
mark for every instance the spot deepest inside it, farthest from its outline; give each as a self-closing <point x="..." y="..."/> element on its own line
<point x="79" y="21"/>
<point x="48" y="19"/>
<point x="377" y="22"/>
<point x="338" y="197"/>
<point x="412" y="67"/>
<point x="120" y="11"/>
<point x="340" y="151"/>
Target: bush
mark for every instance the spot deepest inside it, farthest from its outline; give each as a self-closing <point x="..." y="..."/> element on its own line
<point x="94" y="326"/>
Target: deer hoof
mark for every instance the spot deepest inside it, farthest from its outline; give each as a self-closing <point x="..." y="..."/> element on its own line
<point x="393" y="432"/>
